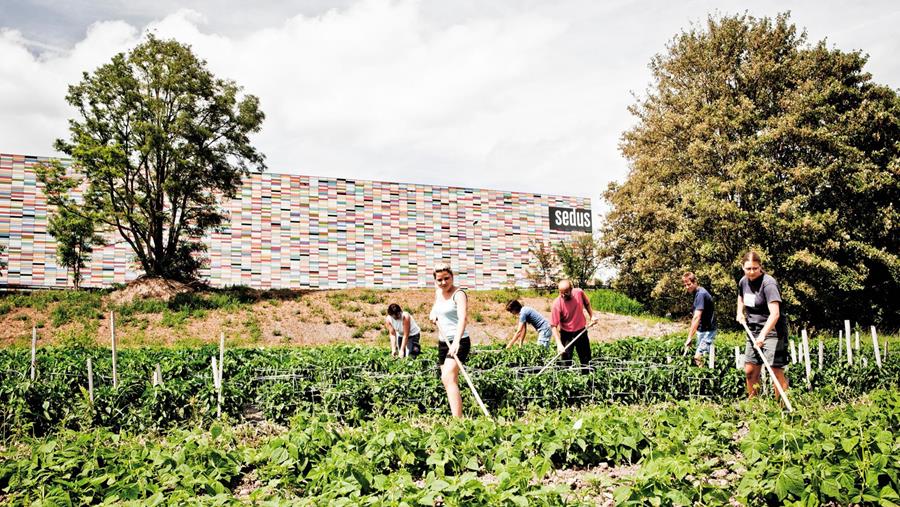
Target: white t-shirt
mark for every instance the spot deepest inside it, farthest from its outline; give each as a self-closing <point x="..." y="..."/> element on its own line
<point x="397" y="324"/>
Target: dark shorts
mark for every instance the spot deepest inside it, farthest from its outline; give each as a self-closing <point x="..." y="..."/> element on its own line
<point x="774" y="348"/>
<point x="463" y="353"/>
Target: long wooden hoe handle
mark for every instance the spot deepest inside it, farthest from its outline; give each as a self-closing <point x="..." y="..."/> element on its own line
<point x="559" y="354"/>
<point x="765" y="361"/>
<point x="468" y="379"/>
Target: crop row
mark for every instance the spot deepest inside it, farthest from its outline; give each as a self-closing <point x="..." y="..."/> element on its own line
<point x="688" y="453"/>
<point x="362" y="382"/>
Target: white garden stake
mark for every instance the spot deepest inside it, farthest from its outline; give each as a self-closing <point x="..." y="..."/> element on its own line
<point x="821" y="353"/>
<point x="737" y="357"/>
<point x="90" y="373"/>
<point x="856" y="345"/>
<point x="559" y="354"/>
<point x="712" y="356"/>
<point x="847" y="337"/>
<point x="840" y="346"/>
<point x="112" y="337"/>
<point x="468" y="380"/>
<point x="875" y="346"/>
<point x="805" y="343"/>
<point x="793" y="352"/>
<point x="159" y="379"/>
<point x="33" y="352"/>
<point x="217" y="384"/>
<point x="765" y="361"/>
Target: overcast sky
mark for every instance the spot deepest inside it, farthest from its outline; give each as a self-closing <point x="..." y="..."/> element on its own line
<point x="526" y="95"/>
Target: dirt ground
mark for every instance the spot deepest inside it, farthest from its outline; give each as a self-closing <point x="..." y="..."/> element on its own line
<point x="304" y="318"/>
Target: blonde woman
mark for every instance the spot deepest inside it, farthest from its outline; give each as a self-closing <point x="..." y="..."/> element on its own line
<point x="449" y="313"/>
<point x="759" y="306"/>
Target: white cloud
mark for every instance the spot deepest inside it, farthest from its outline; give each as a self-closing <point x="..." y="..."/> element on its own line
<point x="521" y="95"/>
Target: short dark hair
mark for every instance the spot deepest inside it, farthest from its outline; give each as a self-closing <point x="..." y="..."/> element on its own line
<point x="514" y="306"/>
<point x="394" y="309"/>
<point x="691" y="277"/>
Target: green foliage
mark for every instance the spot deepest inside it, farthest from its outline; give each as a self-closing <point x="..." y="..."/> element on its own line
<point x="610" y="301"/>
<point x="687" y="453"/>
<point x="579" y="258"/>
<point x="751" y="137"/>
<point x="157" y="182"/>
<point x="544" y="270"/>
<point x="360" y="383"/>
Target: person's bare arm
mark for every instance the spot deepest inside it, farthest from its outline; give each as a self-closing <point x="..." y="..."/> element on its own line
<point x="517" y="334"/>
<point x="774" y="315"/>
<point x="406" y="325"/>
<point x="695" y="324"/>
<point x="392" y="336"/>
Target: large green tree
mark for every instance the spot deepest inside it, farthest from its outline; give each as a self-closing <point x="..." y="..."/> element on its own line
<point x="158" y="142"/>
<point x="579" y="258"/>
<point x="749" y="136"/>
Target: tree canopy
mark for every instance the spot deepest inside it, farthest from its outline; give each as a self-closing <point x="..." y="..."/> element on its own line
<point x="749" y="136"/>
<point x="158" y="142"/>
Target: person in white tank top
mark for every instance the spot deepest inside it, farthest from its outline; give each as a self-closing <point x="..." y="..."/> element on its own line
<point x="450" y="314"/>
<point x="403" y="331"/>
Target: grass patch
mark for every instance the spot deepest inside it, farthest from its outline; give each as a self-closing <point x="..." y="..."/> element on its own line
<point x="81" y="306"/>
<point x="610" y="301"/>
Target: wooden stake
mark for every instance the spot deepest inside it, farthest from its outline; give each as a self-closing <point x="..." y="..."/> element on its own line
<point x="805" y="343"/>
<point x="217" y="385"/>
<point x="90" y="375"/>
<point x="112" y="337"/>
<point x="875" y="346"/>
<point x="847" y="337"/>
<point x="793" y="352"/>
<point x="737" y="357"/>
<point x="712" y="356"/>
<point x="221" y="355"/>
<point x="840" y="346"/>
<point x="856" y="345"/>
<point x="821" y="353"/>
<point x="159" y="379"/>
<point x="33" y="353"/>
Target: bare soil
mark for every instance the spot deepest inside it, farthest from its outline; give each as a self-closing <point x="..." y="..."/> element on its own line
<point x="298" y="318"/>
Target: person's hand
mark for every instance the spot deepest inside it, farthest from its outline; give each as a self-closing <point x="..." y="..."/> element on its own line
<point x="393" y="353"/>
<point x="595" y="319"/>
<point x="560" y="348"/>
<point x="741" y="319"/>
<point x="687" y="342"/>
<point x="760" y="343"/>
<point x="454" y="348"/>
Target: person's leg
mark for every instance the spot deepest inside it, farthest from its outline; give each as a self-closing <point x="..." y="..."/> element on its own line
<point x="450" y="379"/>
<point x="782" y="379"/>
<point x="583" y="347"/>
<point x="752" y="372"/>
<point x="566" y="358"/>
<point x="704" y="340"/>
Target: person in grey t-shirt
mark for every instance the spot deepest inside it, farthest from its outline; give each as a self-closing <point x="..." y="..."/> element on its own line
<point x="759" y="305"/>
<point x="527" y="315"/>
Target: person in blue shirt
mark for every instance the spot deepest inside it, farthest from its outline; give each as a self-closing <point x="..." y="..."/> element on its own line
<point x="703" y="319"/>
<point x="528" y="315"/>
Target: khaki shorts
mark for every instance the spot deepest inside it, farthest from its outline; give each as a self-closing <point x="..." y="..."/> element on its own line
<point x="774" y="348"/>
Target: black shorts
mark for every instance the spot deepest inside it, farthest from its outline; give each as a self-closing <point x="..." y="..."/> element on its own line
<point x="463" y="353"/>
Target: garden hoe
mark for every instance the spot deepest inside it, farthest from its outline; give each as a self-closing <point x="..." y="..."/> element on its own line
<point x="559" y="354"/>
<point x="468" y="380"/>
<point x="769" y="369"/>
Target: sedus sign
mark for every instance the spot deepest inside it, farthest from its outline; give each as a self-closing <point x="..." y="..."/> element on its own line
<point x="570" y="219"/>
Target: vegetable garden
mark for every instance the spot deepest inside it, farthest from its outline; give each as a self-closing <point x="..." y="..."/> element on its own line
<point x="351" y="425"/>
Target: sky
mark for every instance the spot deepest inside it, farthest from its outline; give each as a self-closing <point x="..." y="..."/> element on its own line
<point x="522" y="95"/>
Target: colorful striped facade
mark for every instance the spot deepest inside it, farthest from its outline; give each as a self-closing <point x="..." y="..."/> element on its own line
<point x="291" y="231"/>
